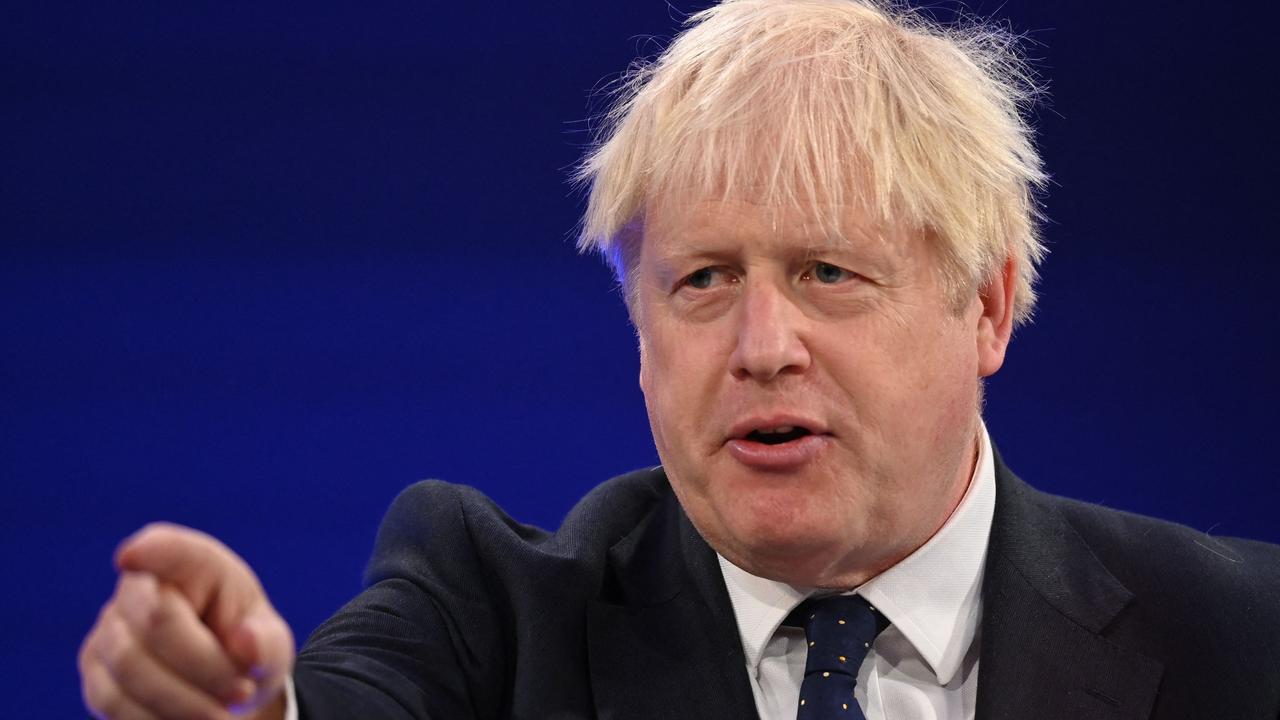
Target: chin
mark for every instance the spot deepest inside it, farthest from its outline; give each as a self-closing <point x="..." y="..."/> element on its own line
<point x="774" y="526"/>
<point x="802" y="568"/>
<point x="784" y="552"/>
<point x="808" y="544"/>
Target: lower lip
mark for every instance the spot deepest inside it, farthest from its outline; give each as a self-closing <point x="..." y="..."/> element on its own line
<point x="785" y="456"/>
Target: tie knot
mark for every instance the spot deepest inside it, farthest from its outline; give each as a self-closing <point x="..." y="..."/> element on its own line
<point x="839" y="629"/>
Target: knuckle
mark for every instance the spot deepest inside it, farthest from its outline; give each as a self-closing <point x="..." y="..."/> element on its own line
<point x="92" y="690"/>
<point x="116" y="646"/>
<point x="107" y="608"/>
<point x="101" y="698"/>
<point x="85" y="654"/>
<point x="90" y="647"/>
<point x="157" y="616"/>
<point x="127" y="673"/>
<point x="137" y="600"/>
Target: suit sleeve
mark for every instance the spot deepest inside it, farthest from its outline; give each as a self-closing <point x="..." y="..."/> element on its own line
<point x="423" y="640"/>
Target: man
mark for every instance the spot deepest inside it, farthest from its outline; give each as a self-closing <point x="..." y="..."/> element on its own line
<point x="822" y="215"/>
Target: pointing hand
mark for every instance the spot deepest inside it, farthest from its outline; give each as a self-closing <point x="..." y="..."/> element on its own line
<point x="189" y="633"/>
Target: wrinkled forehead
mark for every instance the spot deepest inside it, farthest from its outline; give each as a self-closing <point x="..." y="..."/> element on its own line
<point x="688" y="221"/>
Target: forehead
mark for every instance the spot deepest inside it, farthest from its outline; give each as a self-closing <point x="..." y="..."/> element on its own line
<point x="680" y="225"/>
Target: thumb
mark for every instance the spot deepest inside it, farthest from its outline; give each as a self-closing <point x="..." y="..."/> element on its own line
<point x="262" y="644"/>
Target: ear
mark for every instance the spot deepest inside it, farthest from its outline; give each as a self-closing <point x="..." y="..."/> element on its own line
<point x="995" y="324"/>
<point x="644" y="363"/>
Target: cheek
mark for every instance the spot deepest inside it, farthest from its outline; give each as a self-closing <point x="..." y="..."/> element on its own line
<point x="678" y="375"/>
<point x="904" y="382"/>
<point x="947" y="377"/>
<point x="662" y="380"/>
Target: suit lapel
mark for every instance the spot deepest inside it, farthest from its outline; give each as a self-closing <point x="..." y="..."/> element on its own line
<point x="1046" y="603"/>
<point x="662" y="640"/>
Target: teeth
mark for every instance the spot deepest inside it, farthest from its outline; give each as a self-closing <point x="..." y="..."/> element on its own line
<point x="781" y="429"/>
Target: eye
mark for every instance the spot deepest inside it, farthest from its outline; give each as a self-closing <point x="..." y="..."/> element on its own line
<point x="827" y="274"/>
<point x="700" y="279"/>
<point x="705" y="278"/>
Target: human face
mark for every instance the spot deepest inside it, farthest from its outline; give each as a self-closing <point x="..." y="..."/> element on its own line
<point x="752" y="319"/>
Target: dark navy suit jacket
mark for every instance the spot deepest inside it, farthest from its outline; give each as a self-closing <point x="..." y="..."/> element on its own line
<point x="1088" y="613"/>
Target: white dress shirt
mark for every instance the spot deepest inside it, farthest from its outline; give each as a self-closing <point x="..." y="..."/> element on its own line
<point x="290" y="699"/>
<point x="924" y="666"/>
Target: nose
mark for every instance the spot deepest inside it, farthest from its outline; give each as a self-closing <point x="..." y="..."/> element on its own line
<point x="769" y="338"/>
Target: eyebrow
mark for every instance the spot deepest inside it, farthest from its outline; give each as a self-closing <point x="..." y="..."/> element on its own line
<point x="672" y="262"/>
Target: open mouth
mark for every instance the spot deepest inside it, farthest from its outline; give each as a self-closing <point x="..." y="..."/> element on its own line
<point x="778" y="435"/>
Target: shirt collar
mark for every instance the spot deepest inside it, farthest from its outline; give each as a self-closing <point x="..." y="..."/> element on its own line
<point x="932" y="596"/>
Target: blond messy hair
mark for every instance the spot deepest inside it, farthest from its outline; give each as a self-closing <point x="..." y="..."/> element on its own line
<point x="822" y="103"/>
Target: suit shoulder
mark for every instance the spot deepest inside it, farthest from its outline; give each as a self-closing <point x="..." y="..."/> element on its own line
<point x="463" y="603"/>
<point x="439" y="522"/>
<point x="1181" y="564"/>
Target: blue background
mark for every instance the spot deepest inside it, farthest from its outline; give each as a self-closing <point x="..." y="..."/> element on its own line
<point x="263" y="266"/>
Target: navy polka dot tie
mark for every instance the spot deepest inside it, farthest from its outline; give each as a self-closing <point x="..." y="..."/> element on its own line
<point x="839" y="631"/>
